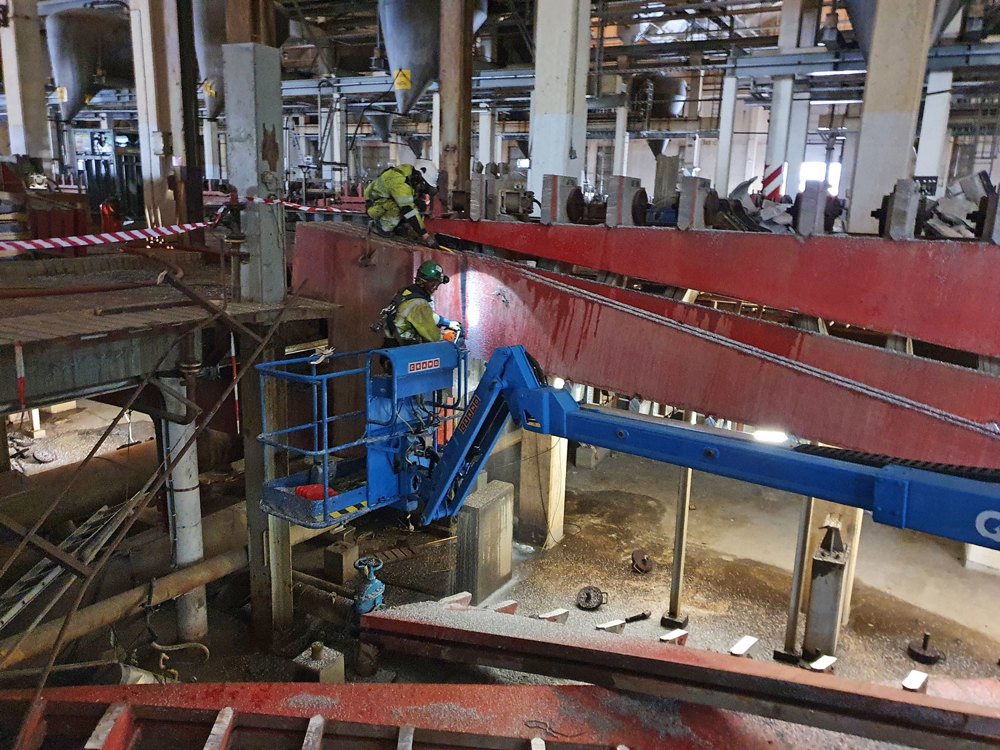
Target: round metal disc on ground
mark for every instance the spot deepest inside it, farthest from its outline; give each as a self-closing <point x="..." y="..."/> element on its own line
<point x="642" y="562"/>
<point x="921" y="651"/>
<point x="590" y="597"/>
<point x="43" y="456"/>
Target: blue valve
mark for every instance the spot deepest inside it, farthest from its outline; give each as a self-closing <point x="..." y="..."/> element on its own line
<point x="370" y="593"/>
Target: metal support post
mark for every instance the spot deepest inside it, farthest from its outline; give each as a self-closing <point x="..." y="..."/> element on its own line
<point x="24" y="64"/>
<point x="190" y="166"/>
<point x="213" y="150"/>
<point x="826" y="596"/>
<point x="487" y="129"/>
<point x="789" y="653"/>
<point x="620" y="158"/>
<point x="456" y="94"/>
<point x="673" y="618"/>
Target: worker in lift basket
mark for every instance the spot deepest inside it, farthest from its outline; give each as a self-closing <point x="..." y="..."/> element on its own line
<point x="393" y="201"/>
<point x="410" y="317"/>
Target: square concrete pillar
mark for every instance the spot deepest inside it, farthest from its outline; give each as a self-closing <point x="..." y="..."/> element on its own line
<point x="541" y="498"/>
<point x="982" y="558"/>
<point x="338" y="562"/>
<point x="485" y="540"/>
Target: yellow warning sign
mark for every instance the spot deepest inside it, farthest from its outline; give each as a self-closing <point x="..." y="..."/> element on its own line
<point x="61" y="94"/>
<point x="402" y="80"/>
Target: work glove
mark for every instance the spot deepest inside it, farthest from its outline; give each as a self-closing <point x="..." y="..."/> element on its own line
<point x="454" y="325"/>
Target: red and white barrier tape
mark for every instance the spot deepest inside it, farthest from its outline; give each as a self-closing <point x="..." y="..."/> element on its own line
<point x="14" y="247"/>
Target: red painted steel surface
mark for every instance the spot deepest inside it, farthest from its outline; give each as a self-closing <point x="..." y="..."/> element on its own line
<point x="579" y="715"/>
<point x="947" y="293"/>
<point x="467" y="634"/>
<point x="592" y="342"/>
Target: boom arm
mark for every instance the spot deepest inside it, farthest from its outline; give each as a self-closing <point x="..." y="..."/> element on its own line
<point x="959" y="508"/>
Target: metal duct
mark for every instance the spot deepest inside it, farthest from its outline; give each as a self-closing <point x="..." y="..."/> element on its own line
<point x="90" y="49"/>
<point x="412" y="30"/>
<point x="381" y="123"/>
<point x="657" y="95"/>
<point x="862" y="15"/>
<point x="209" y="36"/>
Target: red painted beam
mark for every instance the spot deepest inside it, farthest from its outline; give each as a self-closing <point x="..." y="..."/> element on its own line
<point x="947" y="293"/>
<point x="626" y="349"/>
<point x="958" y="390"/>
<point x="475" y="636"/>
<point x="577" y="715"/>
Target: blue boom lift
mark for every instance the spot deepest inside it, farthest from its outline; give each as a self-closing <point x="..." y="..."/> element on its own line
<point x="405" y="467"/>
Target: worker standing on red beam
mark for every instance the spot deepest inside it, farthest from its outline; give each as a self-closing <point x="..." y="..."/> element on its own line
<point x="393" y="201"/>
<point x="410" y="317"/>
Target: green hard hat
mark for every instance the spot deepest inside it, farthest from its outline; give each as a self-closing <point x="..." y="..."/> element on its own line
<point x="431" y="271"/>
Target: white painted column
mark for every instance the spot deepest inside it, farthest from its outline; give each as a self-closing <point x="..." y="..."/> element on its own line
<point x="893" y="89"/>
<point x="436" y="129"/>
<point x="620" y="159"/>
<point x="213" y="151"/>
<point x="158" y="101"/>
<point x="727" y="119"/>
<point x="795" y="151"/>
<point x="934" y="128"/>
<point x="24" y="65"/>
<point x="781" y="105"/>
<point x="185" y="516"/>
<point x="777" y="137"/>
<point x="487" y="131"/>
<point x="559" y="101"/>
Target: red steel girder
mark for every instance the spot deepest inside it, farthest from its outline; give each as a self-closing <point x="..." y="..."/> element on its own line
<point x="603" y="343"/>
<point x="478" y="636"/>
<point x="276" y="715"/>
<point x="947" y="293"/>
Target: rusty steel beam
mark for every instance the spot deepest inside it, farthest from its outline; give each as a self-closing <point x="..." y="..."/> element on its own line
<point x="603" y="343"/>
<point x="946" y="293"/>
<point x="453" y="716"/>
<point x="476" y="636"/>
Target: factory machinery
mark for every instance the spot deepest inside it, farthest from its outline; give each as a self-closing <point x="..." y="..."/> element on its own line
<point x="407" y="468"/>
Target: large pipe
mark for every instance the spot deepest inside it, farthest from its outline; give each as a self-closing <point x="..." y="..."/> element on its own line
<point x="133" y="602"/>
<point x="184" y="508"/>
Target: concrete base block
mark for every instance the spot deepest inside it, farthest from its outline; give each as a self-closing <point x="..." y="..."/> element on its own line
<point x="59" y="408"/>
<point x="320" y="664"/>
<point x="338" y="562"/>
<point x="588" y="456"/>
<point x="982" y="558"/>
<point x="485" y="540"/>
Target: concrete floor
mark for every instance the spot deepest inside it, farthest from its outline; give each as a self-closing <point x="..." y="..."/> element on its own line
<point x="738" y="572"/>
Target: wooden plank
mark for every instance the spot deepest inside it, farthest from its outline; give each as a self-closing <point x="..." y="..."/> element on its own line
<point x="314" y="733"/>
<point x="222" y="730"/>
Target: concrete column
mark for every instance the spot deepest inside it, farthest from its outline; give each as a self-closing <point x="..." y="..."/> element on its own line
<point x="24" y="65"/>
<point x="849" y="156"/>
<point x="487" y="135"/>
<point x="213" y="152"/>
<point x="559" y="101"/>
<point x="727" y="119"/>
<point x="893" y="89"/>
<point x="436" y="129"/>
<point x="456" y="95"/>
<point x="620" y="159"/>
<point x="541" y="497"/>
<point x="184" y="509"/>
<point x="253" y="76"/>
<point x="933" y="143"/>
<point x="795" y="151"/>
<point x="156" y="51"/>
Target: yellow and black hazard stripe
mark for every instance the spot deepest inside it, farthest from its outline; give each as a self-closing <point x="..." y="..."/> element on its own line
<point x="350" y="510"/>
